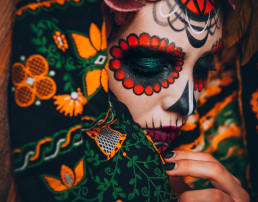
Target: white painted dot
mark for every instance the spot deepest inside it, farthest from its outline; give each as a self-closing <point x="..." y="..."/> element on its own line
<point x="52" y="73"/>
<point x="13" y="88"/>
<point x="74" y="95"/>
<point x="22" y="58"/>
<point x="38" y="103"/>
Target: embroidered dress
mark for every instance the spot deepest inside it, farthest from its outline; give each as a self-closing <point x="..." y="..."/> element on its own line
<point x="71" y="140"/>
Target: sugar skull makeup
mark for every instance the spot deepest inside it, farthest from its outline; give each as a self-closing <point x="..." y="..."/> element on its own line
<point x="146" y="63"/>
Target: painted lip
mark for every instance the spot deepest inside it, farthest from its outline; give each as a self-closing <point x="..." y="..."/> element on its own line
<point x="164" y="134"/>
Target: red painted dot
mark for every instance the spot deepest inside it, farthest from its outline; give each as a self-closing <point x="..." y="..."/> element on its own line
<point x="116" y="52"/>
<point x="155" y="42"/>
<point x="179" y="63"/>
<point x="195" y="85"/>
<point x="175" y="75"/>
<point x="138" y="89"/>
<point x="123" y="45"/>
<point x="120" y="74"/>
<point x="128" y="83"/>
<point x="164" y="83"/>
<point x="171" y="47"/>
<point x="163" y="44"/>
<point x="178" y="68"/>
<point x="115" y="64"/>
<point x="132" y="40"/>
<point x="157" y="87"/>
<point x="148" y="90"/>
<point x="144" y="40"/>
<point x="177" y="51"/>
<point x="171" y="80"/>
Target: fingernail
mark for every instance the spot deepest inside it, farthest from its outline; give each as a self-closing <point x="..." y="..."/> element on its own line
<point x="168" y="155"/>
<point x="169" y="166"/>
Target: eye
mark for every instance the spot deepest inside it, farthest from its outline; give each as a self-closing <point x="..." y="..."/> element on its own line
<point x="201" y="69"/>
<point x="146" y="63"/>
<point x="143" y="62"/>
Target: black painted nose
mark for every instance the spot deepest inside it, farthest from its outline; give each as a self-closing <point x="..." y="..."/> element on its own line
<point x="184" y="105"/>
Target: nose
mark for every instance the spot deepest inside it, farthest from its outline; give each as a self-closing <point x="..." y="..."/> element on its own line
<point x="186" y="104"/>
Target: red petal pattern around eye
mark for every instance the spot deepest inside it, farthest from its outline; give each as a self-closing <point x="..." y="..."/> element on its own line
<point x="164" y="83"/>
<point x="148" y="90"/>
<point x="163" y="44"/>
<point x="128" y="83"/>
<point x="204" y="6"/>
<point x="138" y="89"/>
<point x="124" y="46"/>
<point x="115" y="64"/>
<point x="155" y="42"/>
<point x="120" y="75"/>
<point x="116" y="52"/>
<point x="144" y="40"/>
<point x="132" y="40"/>
<point x="147" y="41"/>
<point x="157" y="87"/>
<point x="171" y="47"/>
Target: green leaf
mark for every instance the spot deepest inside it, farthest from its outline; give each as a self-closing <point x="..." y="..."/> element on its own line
<point x="131" y="196"/>
<point x="43" y="40"/>
<point x="33" y="28"/>
<point x="42" y="49"/>
<point x="123" y="195"/>
<point x="129" y="164"/>
<point x="100" y="187"/>
<point x="118" y="189"/>
<point x="138" y="176"/>
<point x="36" y="41"/>
<point x="97" y="179"/>
<point x="135" y="157"/>
<point x="114" y="194"/>
<point x="146" y="165"/>
<point x="132" y="181"/>
<point x="118" y="171"/>
<point x="137" y="192"/>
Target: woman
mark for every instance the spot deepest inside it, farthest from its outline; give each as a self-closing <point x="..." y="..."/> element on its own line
<point x="79" y="143"/>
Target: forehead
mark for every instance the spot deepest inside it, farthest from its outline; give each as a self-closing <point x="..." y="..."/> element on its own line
<point x="190" y="27"/>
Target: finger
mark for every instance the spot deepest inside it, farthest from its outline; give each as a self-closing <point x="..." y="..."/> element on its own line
<point x="207" y="195"/>
<point x="200" y="156"/>
<point x="213" y="171"/>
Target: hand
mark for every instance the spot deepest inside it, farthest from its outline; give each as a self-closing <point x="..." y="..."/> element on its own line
<point x="205" y="166"/>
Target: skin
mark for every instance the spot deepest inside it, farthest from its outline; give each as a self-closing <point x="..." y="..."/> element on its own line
<point x="152" y="110"/>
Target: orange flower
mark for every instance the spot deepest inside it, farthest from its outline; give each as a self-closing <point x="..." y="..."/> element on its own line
<point x="69" y="178"/>
<point x="88" y="46"/>
<point x="60" y="41"/>
<point x="70" y="104"/>
<point x="254" y="103"/>
<point x="96" y="78"/>
<point x="31" y="81"/>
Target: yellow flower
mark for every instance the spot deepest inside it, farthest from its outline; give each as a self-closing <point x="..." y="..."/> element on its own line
<point x="88" y="46"/>
<point x="60" y="41"/>
<point x="72" y="104"/>
<point x="69" y="178"/>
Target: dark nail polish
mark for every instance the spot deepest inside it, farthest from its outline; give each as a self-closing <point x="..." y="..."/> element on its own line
<point x="167" y="155"/>
<point x="169" y="166"/>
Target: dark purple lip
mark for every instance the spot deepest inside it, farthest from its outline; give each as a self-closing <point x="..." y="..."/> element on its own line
<point x="164" y="134"/>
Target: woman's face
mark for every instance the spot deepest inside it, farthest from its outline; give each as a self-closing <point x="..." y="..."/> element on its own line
<point x="159" y="64"/>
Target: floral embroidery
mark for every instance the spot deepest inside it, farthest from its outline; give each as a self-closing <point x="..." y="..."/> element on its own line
<point x="72" y="104"/>
<point x="254" y="103"/>
<point x="89" y="46"/>
<point x="31" y="81"/>
<point x="96" y="78"/>
<point x="60" y="41"/>
<point x="69" y="178"/>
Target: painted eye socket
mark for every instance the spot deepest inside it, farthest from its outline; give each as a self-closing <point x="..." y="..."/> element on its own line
<point x="201" y="69"/>
<point x="146" y="64"/>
